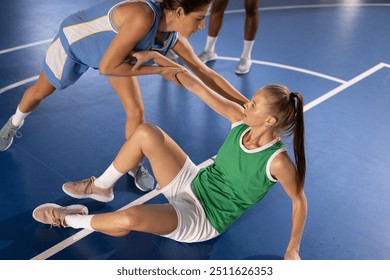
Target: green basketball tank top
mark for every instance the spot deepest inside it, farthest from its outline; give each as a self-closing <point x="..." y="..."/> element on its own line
<point x="236" y="180"/>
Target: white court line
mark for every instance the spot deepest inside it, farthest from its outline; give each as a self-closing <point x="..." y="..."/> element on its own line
<point x="288" y="67"/>
<point x="25" y="46"/>
<point x="18" y="84"/>
<point x="340" y="88"/>
<point x="292" y="7"/>
<point x="83" y="233"/>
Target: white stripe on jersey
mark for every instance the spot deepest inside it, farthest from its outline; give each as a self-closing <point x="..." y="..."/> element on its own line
<point x="74" y="33"/>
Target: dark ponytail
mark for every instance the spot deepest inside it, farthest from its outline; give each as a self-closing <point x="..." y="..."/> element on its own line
<point x="287" y="107"/>
<point x="299" y="141"/>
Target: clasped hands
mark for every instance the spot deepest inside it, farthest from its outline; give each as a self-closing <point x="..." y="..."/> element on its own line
<point x="168" y="68"/>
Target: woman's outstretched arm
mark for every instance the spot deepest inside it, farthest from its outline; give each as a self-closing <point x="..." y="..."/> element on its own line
<point x="229" y="109"/>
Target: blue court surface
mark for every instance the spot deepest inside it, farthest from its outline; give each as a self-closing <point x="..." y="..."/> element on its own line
<point x="336" y="53"/>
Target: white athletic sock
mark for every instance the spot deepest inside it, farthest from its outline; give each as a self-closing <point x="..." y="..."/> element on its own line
<point x="18" y="118"/>
<point x="108" y="178"/>
<point x="210" y="44"/>
<point x="79" y="221"/>
<point x="247" y="49"/>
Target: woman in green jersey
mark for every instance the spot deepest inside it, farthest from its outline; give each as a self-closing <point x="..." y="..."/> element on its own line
<point x="203" y="203"/>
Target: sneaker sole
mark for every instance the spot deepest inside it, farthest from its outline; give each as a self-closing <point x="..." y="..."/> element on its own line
<point x="71" y="207"/>
<point x="91" y="196"/>
<point x="241" y="73"/>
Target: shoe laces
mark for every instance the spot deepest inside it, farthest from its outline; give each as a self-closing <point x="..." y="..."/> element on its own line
<point x="58" y="220"/>
<point x="8" y="132"/>
<point x="88" y="186"/>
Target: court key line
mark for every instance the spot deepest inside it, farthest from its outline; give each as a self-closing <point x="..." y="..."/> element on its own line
<point x="85" y="232"/>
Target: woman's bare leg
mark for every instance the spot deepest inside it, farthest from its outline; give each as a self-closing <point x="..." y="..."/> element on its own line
<point x="129" y="92"/>
<point x="35" y="94"/>
<point x="166" y="159"/>
<point x="157" y="219"/>
<point x="216" y="17"/>
<point x="251" y="19"/>
<point x="164" y="154"/>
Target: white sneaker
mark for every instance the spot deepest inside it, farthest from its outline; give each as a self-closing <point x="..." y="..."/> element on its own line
<point x="207" y="56"/>
<point x="142" y="178"/>
<point x="243" y="66"/>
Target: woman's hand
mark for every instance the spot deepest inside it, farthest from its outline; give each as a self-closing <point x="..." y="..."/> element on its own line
<point x="170" y="74"/>
<point x="142" y="57"/>
<point x="168" y="68"/>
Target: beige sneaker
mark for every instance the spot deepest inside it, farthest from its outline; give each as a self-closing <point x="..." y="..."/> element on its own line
<point x="87" y="189"/>
<point x="54" y="215"/>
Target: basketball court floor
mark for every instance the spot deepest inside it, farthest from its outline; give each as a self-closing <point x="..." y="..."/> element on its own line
<point x="336" y="53"/>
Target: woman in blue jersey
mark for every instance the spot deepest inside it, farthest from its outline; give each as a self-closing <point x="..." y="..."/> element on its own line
<point x="103" y="37"/>
<point x="203" y="203"/>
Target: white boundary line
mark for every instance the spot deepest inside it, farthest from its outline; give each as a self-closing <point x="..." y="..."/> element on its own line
<point x="340" y="88"/>
<point x="85" y="232"/>
<point x="25" y="46"/>
<point x="292" y="7"/>
<point x="288" y="67"/>
<point x="18" y="84"/>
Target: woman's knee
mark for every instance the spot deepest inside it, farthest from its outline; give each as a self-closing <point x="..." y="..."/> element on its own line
<point x="148" y="135"/>
<point x="130" y="220"/>
<point x="251" y="8"/>
<point x="148" y="131"/>
<point x="219" y="6"/>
